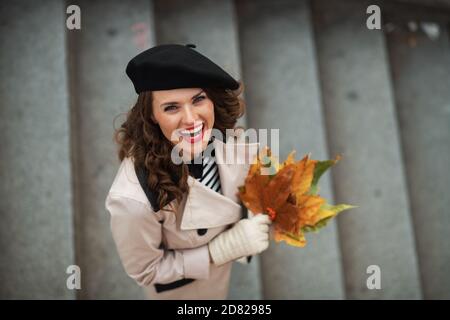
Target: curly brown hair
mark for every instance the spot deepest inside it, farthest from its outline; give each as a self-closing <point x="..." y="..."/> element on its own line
<point x="142" y="139"/>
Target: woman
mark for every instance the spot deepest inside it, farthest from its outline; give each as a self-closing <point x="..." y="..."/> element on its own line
<point x="178" y="225"/>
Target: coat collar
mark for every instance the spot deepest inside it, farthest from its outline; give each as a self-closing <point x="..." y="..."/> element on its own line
<point x="203" y="207"/>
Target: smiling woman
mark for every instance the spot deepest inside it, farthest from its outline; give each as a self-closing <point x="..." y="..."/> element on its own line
<point x="176" y="230"/>
<point x="153" y="127"/>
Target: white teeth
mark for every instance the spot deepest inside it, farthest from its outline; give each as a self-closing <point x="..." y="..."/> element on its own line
<point x="193" y="132"/>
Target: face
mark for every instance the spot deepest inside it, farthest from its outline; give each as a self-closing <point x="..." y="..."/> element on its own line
<point x="186" y="118"/>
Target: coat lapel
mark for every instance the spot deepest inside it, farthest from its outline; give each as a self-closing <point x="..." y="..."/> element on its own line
<point x="204" y="207"/>
<point x="233" y="161"/>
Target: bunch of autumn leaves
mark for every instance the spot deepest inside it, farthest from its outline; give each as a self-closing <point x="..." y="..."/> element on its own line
<point x="288" y="193"/>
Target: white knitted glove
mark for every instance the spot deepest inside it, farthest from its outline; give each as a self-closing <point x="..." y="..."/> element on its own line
<point x="245" y="259"/>
<point x="247" y="237"/>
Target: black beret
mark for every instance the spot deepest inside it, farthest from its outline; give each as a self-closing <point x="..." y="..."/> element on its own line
<point x="171" y="66"/>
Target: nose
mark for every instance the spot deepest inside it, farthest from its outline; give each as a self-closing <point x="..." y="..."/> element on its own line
<point x="189" y="115"/>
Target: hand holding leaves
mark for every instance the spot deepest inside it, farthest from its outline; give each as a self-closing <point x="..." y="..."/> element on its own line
<point x="288" y="193"/>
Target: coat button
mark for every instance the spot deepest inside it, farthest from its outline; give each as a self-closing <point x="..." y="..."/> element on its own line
<point x="201" y="232"/>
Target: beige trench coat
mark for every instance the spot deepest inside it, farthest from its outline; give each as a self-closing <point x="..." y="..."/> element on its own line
<point x="160" y="247"/>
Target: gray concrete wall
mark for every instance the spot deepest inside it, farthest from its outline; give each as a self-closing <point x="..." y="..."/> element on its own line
<point x="280" y="70"/>
<point x="36" y="232"/>
<point x="100" y="53"/>
<point x="421" y="79"/>
<point x="362" y="125"/>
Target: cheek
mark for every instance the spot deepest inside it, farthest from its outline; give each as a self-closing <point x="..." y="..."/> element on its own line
<point x="167" y="124"/>
<point x="209" y="113"/>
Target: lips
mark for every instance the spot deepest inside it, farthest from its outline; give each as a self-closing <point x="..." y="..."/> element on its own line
<point x="194" y="135"/>
<point x="193" y="132"/>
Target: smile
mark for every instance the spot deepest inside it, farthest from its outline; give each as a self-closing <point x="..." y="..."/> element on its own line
<point x="193" y="135"/>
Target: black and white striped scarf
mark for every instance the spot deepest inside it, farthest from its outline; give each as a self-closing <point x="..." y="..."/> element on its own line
<point x="207" y="172"/>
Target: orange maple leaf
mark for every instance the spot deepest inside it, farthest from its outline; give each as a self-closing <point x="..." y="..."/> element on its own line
<point x="288" y="195"/>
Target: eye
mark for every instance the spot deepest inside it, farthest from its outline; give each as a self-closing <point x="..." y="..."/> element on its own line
<point x="170" y="108"/>
<point x="199" y="98"/>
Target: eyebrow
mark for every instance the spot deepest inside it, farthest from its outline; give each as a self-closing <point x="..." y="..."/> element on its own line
<point x="174" y="102"/>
